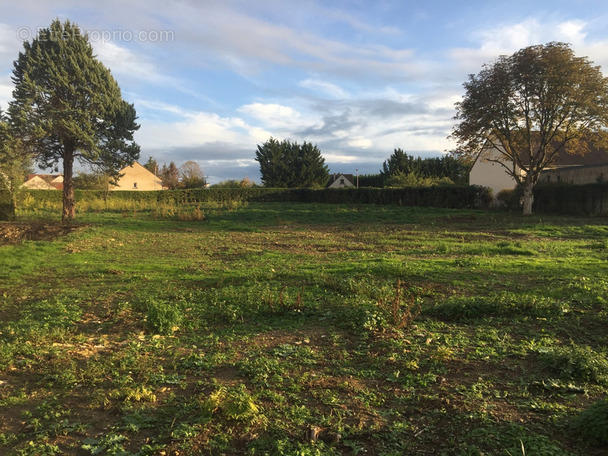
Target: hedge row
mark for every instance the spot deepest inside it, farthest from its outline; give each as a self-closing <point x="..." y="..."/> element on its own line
<point x="588" y="199"/>
<point x="455" y="197"/>
<point x="7" y="207"/>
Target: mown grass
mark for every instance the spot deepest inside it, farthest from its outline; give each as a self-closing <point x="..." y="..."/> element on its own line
<point x="286" y="329"/>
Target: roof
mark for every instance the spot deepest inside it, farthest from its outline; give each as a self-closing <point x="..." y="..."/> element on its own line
<point x="595" y="156"/>
<point x="335" y="176"/>
<point x="44" y="181"/>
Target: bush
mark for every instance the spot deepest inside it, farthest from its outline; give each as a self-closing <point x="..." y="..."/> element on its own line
<point x="592" y="423"/>
<point x="511" y="199"/>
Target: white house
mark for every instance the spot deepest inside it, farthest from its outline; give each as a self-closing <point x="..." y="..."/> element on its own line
<point x="491" y="174"/>
<point x="341" y="181"/>
<point x="567" y="168"/>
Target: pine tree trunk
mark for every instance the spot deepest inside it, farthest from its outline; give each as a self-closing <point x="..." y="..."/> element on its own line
<point x="69" y="205"/>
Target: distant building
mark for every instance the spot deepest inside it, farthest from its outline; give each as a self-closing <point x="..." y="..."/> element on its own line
<point x="138" y="178"/>
<point x="44" y="182"/>
<point x="341" y="181"/>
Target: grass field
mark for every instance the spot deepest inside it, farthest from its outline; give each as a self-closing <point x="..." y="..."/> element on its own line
<point x="304" y="330"/>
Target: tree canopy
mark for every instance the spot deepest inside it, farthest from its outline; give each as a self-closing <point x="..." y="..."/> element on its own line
<point x="402" y="169"/>
<point x="398" y="163"/>
<point x="191" y="175"/>
<point x="152" y="166"/>
<point x="289" y="164"/>
<point x="522" y="110"/>
<point x="14" y="161"/>
<point x="170" y="176"/>
<point x="67" y="107"/>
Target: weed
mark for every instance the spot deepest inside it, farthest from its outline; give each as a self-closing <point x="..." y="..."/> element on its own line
<point x="109" y="444"/>
<point x="162" y="316"/>
<point x="262" y="371"/>
<point x="235" y="404"/>
<point x="576" y="363"/>
<point x="592" y="423"/>
<point x="283" y="303"/>
<point x="401" y="309"/>
<point x="138" y="394"/>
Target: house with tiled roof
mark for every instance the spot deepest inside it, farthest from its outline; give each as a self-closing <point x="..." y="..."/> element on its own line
<point x="44" y="182"/>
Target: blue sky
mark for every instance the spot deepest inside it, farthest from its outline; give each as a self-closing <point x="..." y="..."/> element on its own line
<point x="211" y="80"/>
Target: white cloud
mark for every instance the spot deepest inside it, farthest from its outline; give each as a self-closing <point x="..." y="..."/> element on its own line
<point x="325" y="87"/>
<point x="276" y="117"/>
<point x="194" y="129"/>
<point x="127" y="64"/>
<point x="6" y="91"/>
<point x="506" y="39"/>
<point x="573" y="32"/>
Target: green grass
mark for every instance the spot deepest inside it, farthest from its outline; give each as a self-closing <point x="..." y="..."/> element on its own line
<point x="263" y="325"/>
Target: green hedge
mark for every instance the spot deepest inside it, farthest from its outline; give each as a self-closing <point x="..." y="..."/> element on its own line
<point x="7" y="207"/>
<point x="455" y="197"/>
<point x="589" y="199"/>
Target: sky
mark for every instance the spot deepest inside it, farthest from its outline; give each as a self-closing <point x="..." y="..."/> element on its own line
<point x="212" y="80"/>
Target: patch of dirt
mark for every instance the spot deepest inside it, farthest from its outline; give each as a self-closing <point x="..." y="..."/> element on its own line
<point x="16" y="232"/>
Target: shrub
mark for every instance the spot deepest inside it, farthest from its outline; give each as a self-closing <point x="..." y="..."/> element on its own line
<point x="511" y="199"/>
<point x="592" y="423"/>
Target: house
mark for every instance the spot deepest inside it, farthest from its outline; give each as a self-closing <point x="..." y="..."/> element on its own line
<point x="138" y="178"/>
<point x="567" y="168"/>
<point x="341" y="181"/>
<point x="44" y="182"/>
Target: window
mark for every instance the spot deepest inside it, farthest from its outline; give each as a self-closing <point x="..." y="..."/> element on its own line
<point x="134" y="184"/>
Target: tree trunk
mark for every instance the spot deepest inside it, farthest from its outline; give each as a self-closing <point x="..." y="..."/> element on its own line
<point x="69" y="205"/>
<point x="528" y="199"/>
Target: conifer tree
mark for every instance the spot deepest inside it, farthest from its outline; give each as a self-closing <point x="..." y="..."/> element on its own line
<point x="288" y="164"/>
<point x="67" y="107"/>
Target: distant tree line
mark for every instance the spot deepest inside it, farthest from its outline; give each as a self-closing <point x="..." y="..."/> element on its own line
<point x="287" y="164"/>
<point x="401" y="170"/>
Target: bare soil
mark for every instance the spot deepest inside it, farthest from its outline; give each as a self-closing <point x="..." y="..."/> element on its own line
<point x="16" y="232"/>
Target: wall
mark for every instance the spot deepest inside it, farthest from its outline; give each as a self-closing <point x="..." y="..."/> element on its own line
<point x="579" y="175"/>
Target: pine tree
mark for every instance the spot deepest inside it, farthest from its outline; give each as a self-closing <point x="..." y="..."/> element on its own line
<point x="67" y="107"/>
